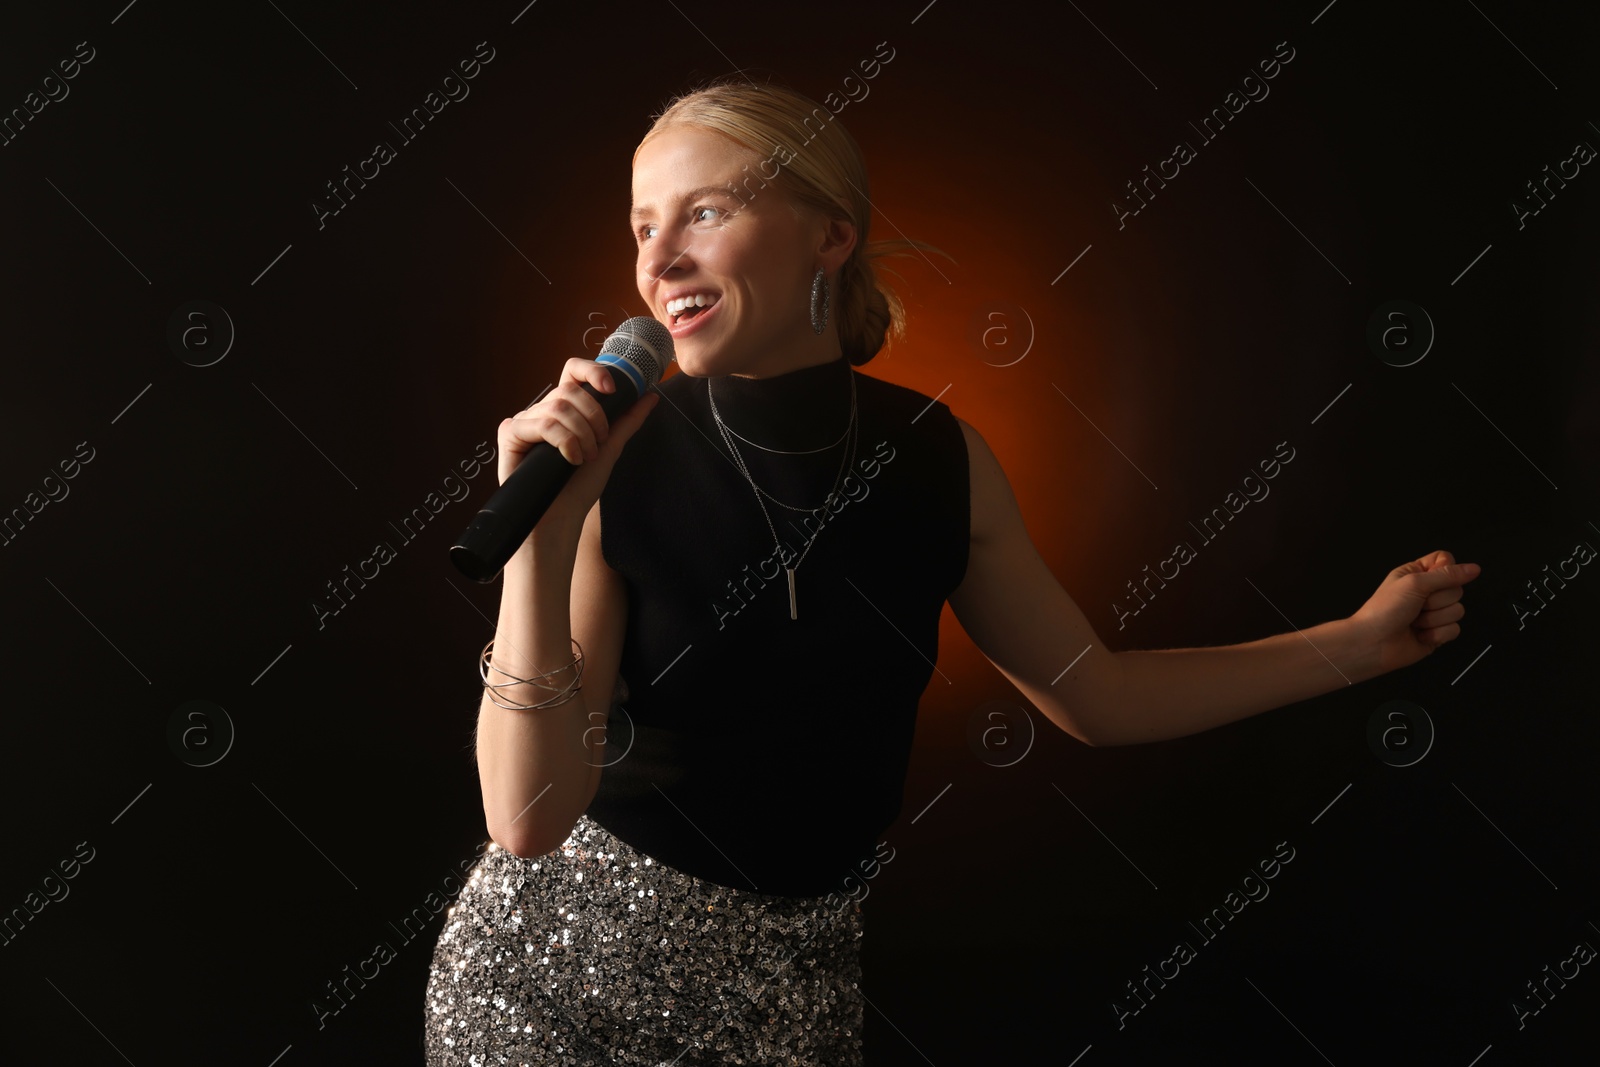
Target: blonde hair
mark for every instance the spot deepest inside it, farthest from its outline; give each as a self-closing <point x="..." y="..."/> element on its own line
<point x="820" y="168"/>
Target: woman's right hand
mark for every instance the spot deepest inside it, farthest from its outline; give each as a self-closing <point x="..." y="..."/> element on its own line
<point x="571" y="420"/>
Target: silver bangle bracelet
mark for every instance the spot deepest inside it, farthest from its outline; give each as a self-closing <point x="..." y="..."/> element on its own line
<point x="563" y="693"/>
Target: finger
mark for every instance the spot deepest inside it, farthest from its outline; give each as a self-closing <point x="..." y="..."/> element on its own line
<point x="580" y="434"/>
<point x="1440" y="558"/>
<point x="1440" y="634"/>
<point x="524" y="430"/>
<point x="1432" y="581"/>
<point x="1429" y="620"/>
<point x="1443" y="598"/>
<point x="587" y="370"/>
<point x="581" y="413"/>
<point x="572" y="393"/>
<point x="579" y="372"/>
<point x="561" y="426"/>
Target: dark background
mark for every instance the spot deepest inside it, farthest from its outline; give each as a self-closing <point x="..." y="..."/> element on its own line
<point x="376" y="352"/>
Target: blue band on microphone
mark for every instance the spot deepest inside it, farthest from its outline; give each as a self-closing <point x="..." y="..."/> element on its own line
<point x="614" y="360"/>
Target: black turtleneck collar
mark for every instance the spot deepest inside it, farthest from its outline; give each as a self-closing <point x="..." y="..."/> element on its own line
<point x="798" y="409"/>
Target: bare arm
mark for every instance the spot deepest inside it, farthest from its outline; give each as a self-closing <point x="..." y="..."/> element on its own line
<point x="539" y="768"/>
<point x="1029" y="628"/>
<point x="532" y="765"/>
<point x="1175" y="692"/>
<point x="599" y="619"/>
<point x="1019" y="616"/>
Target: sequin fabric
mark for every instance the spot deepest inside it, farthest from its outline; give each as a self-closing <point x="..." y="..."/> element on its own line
<point x="599" y="954"/>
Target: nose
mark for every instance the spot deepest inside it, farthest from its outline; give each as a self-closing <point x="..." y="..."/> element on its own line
<point x="669" y="251"/>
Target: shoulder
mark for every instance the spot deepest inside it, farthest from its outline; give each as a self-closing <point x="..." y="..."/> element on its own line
<point x="977" y="448"/>
<point x="894" y="397"/>
<point x="932" y="485"/>
<point x="923" y="417"/>
<point x="994" y="506"/>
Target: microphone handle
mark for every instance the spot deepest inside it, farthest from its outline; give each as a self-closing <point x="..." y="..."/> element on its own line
<point x="500" y="528"/>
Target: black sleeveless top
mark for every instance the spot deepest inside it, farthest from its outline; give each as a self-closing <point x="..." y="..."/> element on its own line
<point x="754" y="750"/>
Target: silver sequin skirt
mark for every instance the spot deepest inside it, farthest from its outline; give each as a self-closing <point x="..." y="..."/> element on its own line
<point x="599" y="954"/>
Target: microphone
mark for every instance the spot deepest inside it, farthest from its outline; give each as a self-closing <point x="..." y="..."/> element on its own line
<point x="635" y="356"/>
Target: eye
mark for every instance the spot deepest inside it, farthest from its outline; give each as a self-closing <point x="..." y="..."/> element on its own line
<point x="643" y="232"/>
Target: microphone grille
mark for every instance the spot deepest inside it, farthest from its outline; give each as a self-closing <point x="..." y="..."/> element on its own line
<point x="643" y="343"/>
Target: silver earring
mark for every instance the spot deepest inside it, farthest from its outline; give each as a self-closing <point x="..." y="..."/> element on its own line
<point x="819" y="298"/>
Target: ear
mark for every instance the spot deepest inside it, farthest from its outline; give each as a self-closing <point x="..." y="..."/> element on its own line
<point x="836" y="239"/>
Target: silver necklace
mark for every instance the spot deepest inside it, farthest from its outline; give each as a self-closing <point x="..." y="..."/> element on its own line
<point x="849" y="426"/>
<point x="780" y="451"/>
<point x="845" y="460"/>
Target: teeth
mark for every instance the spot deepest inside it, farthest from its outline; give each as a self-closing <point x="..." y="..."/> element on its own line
<point x="697" y="300"/>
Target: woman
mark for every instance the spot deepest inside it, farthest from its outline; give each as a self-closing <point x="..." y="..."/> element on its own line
<point x="757" y="582"/>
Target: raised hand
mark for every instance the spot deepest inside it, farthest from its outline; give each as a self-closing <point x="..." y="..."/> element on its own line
<point x="1416" y="609"/>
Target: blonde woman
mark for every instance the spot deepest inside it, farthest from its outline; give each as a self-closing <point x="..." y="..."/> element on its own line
<point x="744" y="589"/>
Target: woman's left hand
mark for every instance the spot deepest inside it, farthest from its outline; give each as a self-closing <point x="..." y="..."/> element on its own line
<point x="1416" y="609"/>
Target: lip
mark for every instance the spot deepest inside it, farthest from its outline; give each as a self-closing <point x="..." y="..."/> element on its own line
<point x="684" y="329"/>
<point x="691" y="290"/>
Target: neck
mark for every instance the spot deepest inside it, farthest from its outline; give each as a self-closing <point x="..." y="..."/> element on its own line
<point x="806" y="406"/>
<point x="814" y="351"/>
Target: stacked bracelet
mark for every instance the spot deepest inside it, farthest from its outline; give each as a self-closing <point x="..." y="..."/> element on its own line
<point x="563" y="693"/>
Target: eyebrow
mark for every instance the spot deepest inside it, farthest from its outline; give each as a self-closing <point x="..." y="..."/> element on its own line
<point x="724" y="189"/>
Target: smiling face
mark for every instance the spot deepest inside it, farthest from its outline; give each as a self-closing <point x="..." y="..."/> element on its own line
<point x="750" y="260"/>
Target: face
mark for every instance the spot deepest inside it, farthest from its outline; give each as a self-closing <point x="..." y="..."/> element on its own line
<point x="703" y="224"/>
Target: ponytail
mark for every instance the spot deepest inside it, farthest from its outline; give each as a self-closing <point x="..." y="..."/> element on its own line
<point x="871" y="315"/>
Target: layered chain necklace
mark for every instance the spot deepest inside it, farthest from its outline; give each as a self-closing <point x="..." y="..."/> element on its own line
<point x="845" y="460"/>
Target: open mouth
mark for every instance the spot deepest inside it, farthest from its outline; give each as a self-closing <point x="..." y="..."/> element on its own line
<point x="688" y="319"/>
<point x="683" y="310"/>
